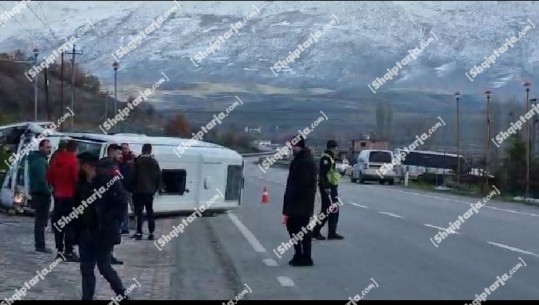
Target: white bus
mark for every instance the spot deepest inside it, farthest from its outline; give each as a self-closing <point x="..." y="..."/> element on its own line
<point x="422" y="162"/>
<point x="203" y="171"/>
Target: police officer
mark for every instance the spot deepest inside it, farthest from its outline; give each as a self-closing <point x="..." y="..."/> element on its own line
<point x="328" y="182"/>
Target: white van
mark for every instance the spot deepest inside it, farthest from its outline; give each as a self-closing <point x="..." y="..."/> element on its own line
<point x="204" y="171"/>
<point x="206" y="174"/>
<point x="367" y="166"/>
<point x="15" y="188"/>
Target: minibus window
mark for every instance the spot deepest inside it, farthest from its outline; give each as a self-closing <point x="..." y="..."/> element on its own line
<point x="173" y="181"/>
<point x="20" y="174"/>
<point x="89" y="147"/>
<point x="234" y="182"/>
<point x="5" y="177"/>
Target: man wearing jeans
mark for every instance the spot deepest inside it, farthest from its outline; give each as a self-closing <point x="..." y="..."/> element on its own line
<point x="62" y="176"/>
<point x="41" y="192"/>
<point x="146" y="182"/>
<point x="98" y="227"/>
<point x="126" y="166"/>
<point x="108" y="166"/>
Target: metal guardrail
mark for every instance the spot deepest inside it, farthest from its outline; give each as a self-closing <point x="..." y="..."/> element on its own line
<point x="265" y="153"/>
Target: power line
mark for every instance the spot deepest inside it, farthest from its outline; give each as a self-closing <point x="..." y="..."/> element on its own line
<point x="26" y="29"/>
<point x="43" y="12"/>
<point x="44" y="23"/>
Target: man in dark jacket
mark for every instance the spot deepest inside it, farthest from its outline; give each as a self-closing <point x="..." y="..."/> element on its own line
<point x="146" y="181"/>
<point x="109" y="167"/>
<point x="328" y="183"/>
<point x="62" y="175"/>
<point x="40" y="192"/>
<point x="98" y="226"/>
<point x="126" y="169"/>
<point x="298" y="204"/>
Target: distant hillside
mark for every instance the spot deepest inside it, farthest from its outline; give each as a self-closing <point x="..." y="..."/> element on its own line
<point x="17" y="96"/>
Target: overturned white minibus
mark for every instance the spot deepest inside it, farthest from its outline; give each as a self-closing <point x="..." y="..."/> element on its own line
<point x="202" y="173"/>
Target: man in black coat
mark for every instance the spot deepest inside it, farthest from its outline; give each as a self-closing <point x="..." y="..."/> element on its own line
<point x="298" y="204"/>
<point x="146" y="182"/>
<point x="98" y="226"/>
<point x="109" y="167"/>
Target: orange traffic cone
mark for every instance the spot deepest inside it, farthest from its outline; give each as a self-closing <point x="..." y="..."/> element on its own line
<point x="265" y="196"/>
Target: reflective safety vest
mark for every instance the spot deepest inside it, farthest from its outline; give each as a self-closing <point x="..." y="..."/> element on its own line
<point x="333" y="175"/>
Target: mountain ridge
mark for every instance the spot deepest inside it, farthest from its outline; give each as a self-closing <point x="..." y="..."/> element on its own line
<point x="369" y="39"/>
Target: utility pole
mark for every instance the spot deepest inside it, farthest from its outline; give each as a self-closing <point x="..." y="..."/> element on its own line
<point x="73" y="53"/>
<point x="457" y="95"/>
<point x="47" y="95"/>
<point x="107" y="103"/>
<point x="527" y="85"/>
<point x="534" y="131"/>
<point x="62" y="89"/>
<point x="487" y="153"/>
<point x="36" y="53"/>
<point x="115" y="67"/>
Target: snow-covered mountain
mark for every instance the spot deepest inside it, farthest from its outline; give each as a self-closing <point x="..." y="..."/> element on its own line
<point x="368" y="39"/>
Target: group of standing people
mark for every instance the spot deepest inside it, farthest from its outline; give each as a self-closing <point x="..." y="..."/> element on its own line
<point x="299" y="198"/>
<point x="71" y="179"/>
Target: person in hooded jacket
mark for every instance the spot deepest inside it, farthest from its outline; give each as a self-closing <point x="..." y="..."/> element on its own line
<point x="98" y="227"/>
<point x="298" y="203"/>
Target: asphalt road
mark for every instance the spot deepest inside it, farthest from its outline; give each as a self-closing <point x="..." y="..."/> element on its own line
<point x="388" y="232"/>
<point x="387" y="229"/>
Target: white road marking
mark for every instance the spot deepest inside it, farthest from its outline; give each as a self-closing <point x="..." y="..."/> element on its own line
<point x="468" y="203"/>
<point x="247" y="234"/>
<point x="440" y="228"/>
<point x="512" y="248"/>
<point x="391" y="214"/>
<point x="510" y="211"/>
<point x="276" y="182"/>
<point x="285" y="281"/>
<point x="358" y="205"/>
<point x="270" y="262"/>
<point x="266" y="179"/>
